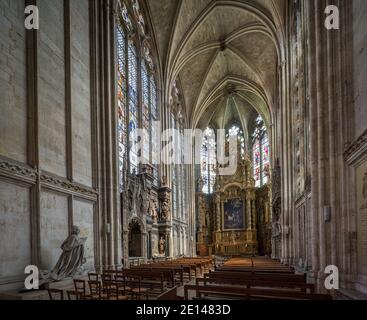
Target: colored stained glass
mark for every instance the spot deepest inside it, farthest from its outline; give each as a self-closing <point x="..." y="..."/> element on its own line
<point x="261" y="154"/>
<point x="129" y="84"/>
<point x="208" y="161"/>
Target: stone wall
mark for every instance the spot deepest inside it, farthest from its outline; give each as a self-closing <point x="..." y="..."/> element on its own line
<point x="360" y="65"/>
<point x="51" y="88"/>
<point x="15" y="229"/>
<point x="47" y="137"/>
<point x="327" y="224"/>
<point x="356" y="153"/>
<point x="13" y="120"/>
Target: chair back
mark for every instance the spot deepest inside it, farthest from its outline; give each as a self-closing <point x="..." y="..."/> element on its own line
<point x="74" y="295"/>
<point x="56" y="294"/>
<point x="95" y="289"/>
<point x="93" y="276"/>
<point x="79" y="286"/>
<point x="112" y="289"/>
<point x="107" y="277"/>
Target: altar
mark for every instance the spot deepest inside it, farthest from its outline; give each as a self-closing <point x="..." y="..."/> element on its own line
<point x="235" y="219"/>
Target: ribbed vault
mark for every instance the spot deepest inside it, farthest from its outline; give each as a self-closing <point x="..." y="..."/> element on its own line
<point x="224" y="54"/>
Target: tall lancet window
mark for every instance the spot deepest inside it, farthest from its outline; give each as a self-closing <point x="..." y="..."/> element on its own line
<point x="137" y="93"/>
<point x="121" y="100"/>
<point x="133" y="105"/>
<point x="208" y="161"/>
<point x="261" y="157"/>
<point x="151" y="145"/>
<point x="235" y="131"/>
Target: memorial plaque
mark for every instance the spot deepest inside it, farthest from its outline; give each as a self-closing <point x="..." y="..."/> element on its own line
<point x="362" y="218"/>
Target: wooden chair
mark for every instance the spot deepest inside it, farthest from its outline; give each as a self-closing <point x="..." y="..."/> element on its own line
<point x="120" y="280"/>
<point x="136" y="289"/>
<point x="113" y="292"/>
<point x="110" y="273"/>
<point x="106" y="277"/>
<point x="74" y="295"/>
<point x="95" y="288"/>
<point x="56" y="294"/>
<point x="80" y="288"/>
<point x="93" y="276"/>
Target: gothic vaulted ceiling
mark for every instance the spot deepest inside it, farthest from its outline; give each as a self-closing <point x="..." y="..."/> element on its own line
<point x="223" y="53"/>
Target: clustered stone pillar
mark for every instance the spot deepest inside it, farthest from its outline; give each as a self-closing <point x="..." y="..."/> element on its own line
<point x="329" y="85"/>
<point x="249" y="213"/>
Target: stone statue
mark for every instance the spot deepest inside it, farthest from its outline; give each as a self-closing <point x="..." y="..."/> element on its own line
<point x="72" y="257"/>
<point x="276" y="229"/>
<point x="131" y="200"/>
<point x="165" y="210"/>
<point x="153" y="211"/>
<point x="162" y="246"/>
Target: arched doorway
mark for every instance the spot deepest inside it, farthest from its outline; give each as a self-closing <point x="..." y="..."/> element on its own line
<point x="135" y="240"/>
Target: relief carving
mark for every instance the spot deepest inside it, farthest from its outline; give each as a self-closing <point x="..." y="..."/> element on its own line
<point x="165" y="201"/>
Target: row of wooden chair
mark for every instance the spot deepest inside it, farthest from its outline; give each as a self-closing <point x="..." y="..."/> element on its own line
<point x="108" y="290"/>
<point x="118" y="284"/>
<point x="57" y="294"/>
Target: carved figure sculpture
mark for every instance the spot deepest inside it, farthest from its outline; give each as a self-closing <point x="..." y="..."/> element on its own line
<point x="162" y="245"/>
<point x="72" y="257"/>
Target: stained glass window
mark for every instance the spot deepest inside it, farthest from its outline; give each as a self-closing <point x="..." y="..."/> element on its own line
<point x="121" y="100"/>
<point x="257" y="163"/>
<point x="178" y="169"/>
<point x="265" y="158"/>
<point x="235" y="131"/>
<point x="208" y="161"/>
<point x="139" y="18"/>
<point x="135" y="109"/>
<point x="145" y="111"/>
<point x="133" y="106"/>
<point x="261" y="154"/>
<point x="125" y="16"/>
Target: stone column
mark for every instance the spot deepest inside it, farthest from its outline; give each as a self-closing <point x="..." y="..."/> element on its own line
<point x="313" y="133"/>
<point x="169" y="248"/>
<point x="249" y="212"/>
<point x="218" y="212"/>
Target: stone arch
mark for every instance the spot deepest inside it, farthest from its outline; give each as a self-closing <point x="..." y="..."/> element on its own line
<point x="136" y="238"/>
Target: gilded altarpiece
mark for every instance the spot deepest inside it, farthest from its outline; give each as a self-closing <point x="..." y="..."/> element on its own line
<point x="227" y="219"/>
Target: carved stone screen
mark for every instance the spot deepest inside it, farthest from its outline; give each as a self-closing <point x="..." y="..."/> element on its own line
<point x="233" y="214"/>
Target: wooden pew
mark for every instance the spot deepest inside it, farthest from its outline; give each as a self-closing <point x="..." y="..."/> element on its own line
<point x="250" y="293"/>
<point x="151" y="280"/>
<point x="251" y="283"/>
<point x="259" y="269"/>
<point x="257" y="276"/>
<point x="258" y="264"/>
<point x="167" y="269"/>
<point x="170" y="295"/>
